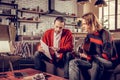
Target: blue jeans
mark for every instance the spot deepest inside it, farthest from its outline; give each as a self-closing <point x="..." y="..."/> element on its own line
<point x="39" y="58"/>
<point x="100" y="64"/>
<point x="77" y="65"/>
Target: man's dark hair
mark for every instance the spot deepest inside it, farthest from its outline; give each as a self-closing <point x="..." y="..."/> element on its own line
<point x="60" y="18"/>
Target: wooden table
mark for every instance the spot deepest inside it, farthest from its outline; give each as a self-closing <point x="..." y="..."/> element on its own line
<point x="29" y="74"/>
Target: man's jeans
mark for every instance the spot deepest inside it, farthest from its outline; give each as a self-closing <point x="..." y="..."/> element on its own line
<point x="39" y="58"/>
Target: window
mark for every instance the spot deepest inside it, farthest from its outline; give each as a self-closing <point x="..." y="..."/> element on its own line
<point x="118" y="15"/>
<point x="110" y="15"/>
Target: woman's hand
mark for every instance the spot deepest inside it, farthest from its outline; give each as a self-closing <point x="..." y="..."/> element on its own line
<point x="83" y="55"/>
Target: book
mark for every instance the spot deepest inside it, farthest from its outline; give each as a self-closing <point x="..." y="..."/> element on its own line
<point x="46" y="49"/>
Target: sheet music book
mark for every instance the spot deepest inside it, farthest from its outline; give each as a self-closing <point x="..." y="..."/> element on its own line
<point x="4" y="47"/>
<point x="46" y="49"/>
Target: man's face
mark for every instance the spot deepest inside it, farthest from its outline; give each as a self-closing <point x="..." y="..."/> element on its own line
<point x="58" y="26"/>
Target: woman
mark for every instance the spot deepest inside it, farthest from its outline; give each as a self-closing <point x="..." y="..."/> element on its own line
<point x="97" y="49"/>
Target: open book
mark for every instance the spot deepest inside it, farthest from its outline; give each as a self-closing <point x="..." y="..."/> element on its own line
<point x="46" y="49"/>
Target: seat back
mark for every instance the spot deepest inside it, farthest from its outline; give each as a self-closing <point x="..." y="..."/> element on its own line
<point x="117" y="46"/>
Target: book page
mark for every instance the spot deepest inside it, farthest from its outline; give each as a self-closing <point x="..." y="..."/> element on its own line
<point x="46" y="49"/>
<point x="4" y="47"/>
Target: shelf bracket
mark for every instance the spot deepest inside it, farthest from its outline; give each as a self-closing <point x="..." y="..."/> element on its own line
<point x="36" y="25"/>
<point x="39" y="15"/>
<point x="21" y="13"/>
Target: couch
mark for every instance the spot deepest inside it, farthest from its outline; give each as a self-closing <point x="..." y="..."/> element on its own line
<point x="111" y="74"/>
<point x="116" y="71"/>
<point x="20" y="52"/>
<point x="6" y="61"/>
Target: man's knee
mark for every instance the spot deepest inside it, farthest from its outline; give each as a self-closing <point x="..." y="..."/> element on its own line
<point x="69" y="55"/>
<point x="37" y="54"/>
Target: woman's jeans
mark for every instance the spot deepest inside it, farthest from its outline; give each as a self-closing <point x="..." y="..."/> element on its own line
<point x="100" y="64"/>
<point x="77" y="65"/>
<point x="39" y="59"/>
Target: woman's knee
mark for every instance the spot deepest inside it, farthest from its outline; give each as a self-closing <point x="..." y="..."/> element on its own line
<point x="73" y="63"/>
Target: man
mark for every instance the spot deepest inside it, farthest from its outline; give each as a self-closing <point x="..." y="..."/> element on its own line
<point x="60" y="42"/>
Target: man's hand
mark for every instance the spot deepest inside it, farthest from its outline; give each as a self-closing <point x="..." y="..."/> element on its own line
<point x="54" y="48"/>
<point x="55" y="51"/>
<point x="41" y="49"/>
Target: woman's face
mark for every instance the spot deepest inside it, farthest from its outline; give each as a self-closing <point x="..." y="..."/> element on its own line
<point x="85" y="26"/>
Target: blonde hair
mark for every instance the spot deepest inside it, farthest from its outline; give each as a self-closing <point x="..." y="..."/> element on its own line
<point x="92" y="20"/>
